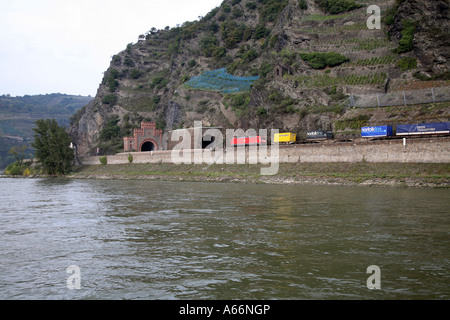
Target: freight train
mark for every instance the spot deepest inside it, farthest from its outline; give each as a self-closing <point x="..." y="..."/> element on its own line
<point x="373" y="132"/>
<point x="383" y="132"/>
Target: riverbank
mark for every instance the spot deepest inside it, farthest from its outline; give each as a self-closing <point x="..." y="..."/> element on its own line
<point x="418" y="175"/>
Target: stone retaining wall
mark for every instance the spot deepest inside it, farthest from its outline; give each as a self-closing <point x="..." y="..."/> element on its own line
<point x="429" y="150"/>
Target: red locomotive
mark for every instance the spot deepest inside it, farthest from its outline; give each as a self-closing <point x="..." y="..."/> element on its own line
<point x="247" y="141"/>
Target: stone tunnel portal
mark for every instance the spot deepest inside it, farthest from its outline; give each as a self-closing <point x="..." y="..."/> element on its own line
<point x="148" y="146"/>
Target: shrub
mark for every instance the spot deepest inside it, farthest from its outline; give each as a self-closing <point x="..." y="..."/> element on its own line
<point x="239" y="102"/>
<point x="236" y="12"/>
<point x="110" y="99"/>
<point x="261" y="32"/>
<point x="407" y="63"/>
<point x="130" y="158"/>
<point x="250" y="55"/>
<point x="261" y="111"/>
<point x="128" y="62"/>
<point x="269" y="12"/>
<point x="232" y="33"/>
<point x="289" y="56"/>
<point x="15" y="169"/>
<point x="407" y="41"/>
<point x="103" y="160"/>
<point x="265" y="69"/>
<point x="135" y="74"/>
<point x="207" y="45"/>
<point x="303" y="4"/>
<point x="111" y="130"/>
<point x="159" y="82"/>
<point x="320" y="60"/>
<point x="111" y="80"/>
<point x="26" y="172"/>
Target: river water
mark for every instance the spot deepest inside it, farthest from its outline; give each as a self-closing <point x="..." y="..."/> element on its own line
<point x="168" y="240"/>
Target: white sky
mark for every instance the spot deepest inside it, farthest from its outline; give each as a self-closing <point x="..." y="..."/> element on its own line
<point x="50" y="46"/>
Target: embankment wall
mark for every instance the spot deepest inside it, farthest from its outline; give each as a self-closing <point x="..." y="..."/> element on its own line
<point x="428" y="150"/>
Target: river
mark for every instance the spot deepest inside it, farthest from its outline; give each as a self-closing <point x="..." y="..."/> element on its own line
<point x="167" y="240"/>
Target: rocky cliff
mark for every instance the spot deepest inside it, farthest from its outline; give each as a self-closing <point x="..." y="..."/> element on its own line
<point x="309" y="57"/>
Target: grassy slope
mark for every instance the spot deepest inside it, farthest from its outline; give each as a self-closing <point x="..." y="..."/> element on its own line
<point x="392" y="174"/>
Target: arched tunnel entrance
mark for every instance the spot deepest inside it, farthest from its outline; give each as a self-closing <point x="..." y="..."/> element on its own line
<point x="148" y="146"/>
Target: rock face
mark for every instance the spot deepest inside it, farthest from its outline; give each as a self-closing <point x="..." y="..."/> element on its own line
<point x="431" y="41"/>
<point x="147" y="80"/>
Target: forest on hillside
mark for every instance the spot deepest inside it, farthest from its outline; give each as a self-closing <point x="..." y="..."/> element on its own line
<point x="18" y="115"/>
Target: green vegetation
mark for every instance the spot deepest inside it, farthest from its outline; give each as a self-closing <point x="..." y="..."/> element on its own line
<point x="103" y="160"/>
<point x="320" y="17"/>
<point x="338" y="6"/>
<point x="110" y="99"/>
<point x="407" y="63"/>
<point x="320" y="60"/>
<point x="19" y="167"/>
<point x="18" y="116"/>
<point x="389" y="16"/>
<point x="281" y="103"/>
<point x="14" y="169"/>
<point x="111" y="80"/>
<point x="384" y="60"/>
<point x="355" y="123"/>
<point x="209" y="46"/>
<point x="159" y="82"/>
<point x="111" y="135"/>
<point x="417" y="174"/>
<point x="271" y="9"/>
<point x="238" y="102"/>
<point x="261" y="32"/>
<point x="18" y="153"/>
<point x="325" y="80"/>
<point x="111" y="130"/>
<point x="52" y="144"/>
<point x="406" y="43"/>
<point x="302" y="4"/>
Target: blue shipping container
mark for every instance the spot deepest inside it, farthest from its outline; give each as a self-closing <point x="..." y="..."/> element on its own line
<point x="424" y="128"/>
<point x="381" y="131"/>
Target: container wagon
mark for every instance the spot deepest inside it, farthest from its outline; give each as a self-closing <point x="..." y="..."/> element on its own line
<point x="286" y="137"/>
<point x="246" y="141"/>
<point x="319" y="135"/>
<point x="376" y="132"/>
<point x="423" y="129"/>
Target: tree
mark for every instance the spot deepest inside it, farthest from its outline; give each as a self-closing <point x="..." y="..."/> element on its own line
<point x="52" y="144"/>
<point x="18" y="153"/>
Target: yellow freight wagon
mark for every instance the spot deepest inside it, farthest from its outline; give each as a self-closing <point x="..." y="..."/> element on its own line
<point x="287" y="137"/>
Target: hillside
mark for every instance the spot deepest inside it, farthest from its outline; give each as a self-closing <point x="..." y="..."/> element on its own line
<point x="18" y="114"/>
<point x="303" y="60"/>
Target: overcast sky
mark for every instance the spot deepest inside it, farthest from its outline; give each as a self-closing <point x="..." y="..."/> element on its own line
<point x="50" y="46"/>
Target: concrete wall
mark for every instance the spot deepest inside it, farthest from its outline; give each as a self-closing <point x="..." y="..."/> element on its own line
<point x="430" y="150"/>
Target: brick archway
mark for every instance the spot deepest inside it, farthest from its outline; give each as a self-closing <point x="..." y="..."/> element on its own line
<point x="148" y="145"/>
<point x="147" y="138"/>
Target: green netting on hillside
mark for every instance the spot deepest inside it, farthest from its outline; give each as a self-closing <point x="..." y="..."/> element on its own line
<point x="221" y="80"/>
